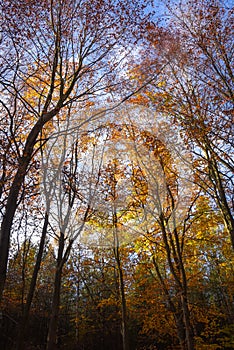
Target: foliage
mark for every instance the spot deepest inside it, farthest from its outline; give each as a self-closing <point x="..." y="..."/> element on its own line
<point x="116" y="175"/>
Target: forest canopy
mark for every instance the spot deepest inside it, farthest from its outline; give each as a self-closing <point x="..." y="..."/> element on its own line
<point x="116" y="175"/>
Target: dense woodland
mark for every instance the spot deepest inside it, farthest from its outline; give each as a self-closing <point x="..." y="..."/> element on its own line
<point x="116" y="175"/>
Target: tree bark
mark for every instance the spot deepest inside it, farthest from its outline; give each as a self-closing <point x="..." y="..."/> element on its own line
<point x="124" y="327"/>
<point x="11" y="205"/>
<point x="176" y="265"/>
<point x="24" y="322"/>
<point x="216" y="180"/>
<point x="189" y="339"/>
<point x="177" y="312"/>
<point x="52" y="332"/>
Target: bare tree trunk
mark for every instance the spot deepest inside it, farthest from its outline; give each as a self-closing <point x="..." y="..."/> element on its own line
<point x="11" y="205"/>
<point x="177" y="312"/>
<point x="188" y="328"/>
<point x="176" y="265"/>
<point x="124" y="327"/>
<point x="52" y="332"/>
<point x="24" y="322"/>
<point x="7" y="224"/>
<point x="220" y="194"/>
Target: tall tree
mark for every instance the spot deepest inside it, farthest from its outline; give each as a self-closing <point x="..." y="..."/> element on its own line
<point x="196" y="89"/>
<point x="69" y="196"/>
<point x="63" y="52"/>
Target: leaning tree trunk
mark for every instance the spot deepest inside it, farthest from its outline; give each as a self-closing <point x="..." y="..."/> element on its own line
<point x="11" y="204"/>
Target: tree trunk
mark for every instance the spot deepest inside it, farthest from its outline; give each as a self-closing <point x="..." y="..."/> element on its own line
<point x="177" y="312"/>
<point x="176" y="265"/>
<point x="124" y="328"/>
<point x="188" y="328"/>
<point x="24" y="322"/>
<point x="52" y="332"/>
<point x="7" y="221"/>
<point x="216" y="179"/>
<point x="11" y="205"/>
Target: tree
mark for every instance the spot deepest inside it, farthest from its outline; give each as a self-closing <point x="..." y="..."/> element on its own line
<point x="31" y="291"/>
<point x="165" y="230"/>
<point x="69" y="194"/>
<point x="112" y="174"/>
<point x="196" y="89"/>
<point x="138" y="186"/>
<point x="62" y="55"/>
<point x="208" y="85"/>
